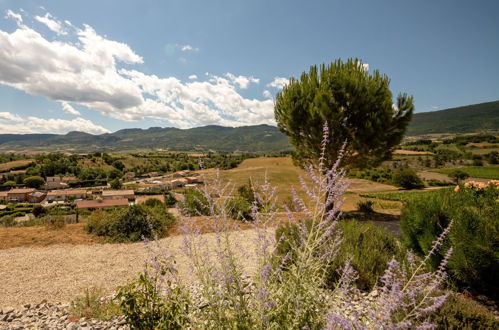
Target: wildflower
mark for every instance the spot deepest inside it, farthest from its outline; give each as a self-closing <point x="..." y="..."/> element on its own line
<point x="457" y="189"/>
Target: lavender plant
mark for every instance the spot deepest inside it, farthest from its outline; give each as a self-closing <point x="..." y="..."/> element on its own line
<point x="276" y="293"/>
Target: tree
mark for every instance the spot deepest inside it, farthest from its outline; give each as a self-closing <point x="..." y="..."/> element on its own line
<point x="33" y="181"/>
<point x="116" y="184"/>
<point x="357" y="106"/>
<point x="458" y="175"/>
<point x="407" y="178"/>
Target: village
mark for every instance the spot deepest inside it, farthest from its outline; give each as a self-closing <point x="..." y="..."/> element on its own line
<point x="56" y="191"/>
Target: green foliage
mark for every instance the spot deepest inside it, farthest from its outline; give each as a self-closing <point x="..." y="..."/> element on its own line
<point x="33" y="181"/>
<point x="195" y="203"/>
<point x="10" y="183"/>
<point x="407" y="178"/>
<point x="369" y="247"/>
<point x="90" y="305"/>
<point x="399" y="196"/>
<point x="116" y="184"/>
<point x="485" y="172"/>
<point x="376" y="174"/>
<point x="39" y="210"/>
<point x="357" y="105"/>
<point x="145" y="307"/>
<point x="153" y="202"/>
<point x="239" y="209"/>
<point x="130" y="224"/>
<point x="54" y="222"/>
<point x="458" y="175"/>
<point x="365" y="206"/>
<point x="466" y="119"/>
<point x="474" y="235"/>
<point x="460" y="312"/>
<point x="438" y="183"/>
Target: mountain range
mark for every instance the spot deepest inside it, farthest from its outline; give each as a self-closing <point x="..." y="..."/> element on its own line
<point x="259" y="138"/>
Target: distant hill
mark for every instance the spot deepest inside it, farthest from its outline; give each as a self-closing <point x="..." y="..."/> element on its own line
<point x="467" y="119"/>
<point x="259" y="138"/>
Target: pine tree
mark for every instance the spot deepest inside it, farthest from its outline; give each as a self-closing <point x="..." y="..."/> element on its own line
<point x="357" y="106"/>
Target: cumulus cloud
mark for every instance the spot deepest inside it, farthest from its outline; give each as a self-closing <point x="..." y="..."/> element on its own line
<point x="278" y="82"/>
<point x="16" y="17"/>
<point x="69" y="109"/>
<point x="51" y="23"/>
<point x="193" y="77"/>
<point x="41" y="125"/>
<point x="242" y="81"/>
<point x="89" y="72"/>
<point x="7" y="116"/>
<point x="267" y="94"/>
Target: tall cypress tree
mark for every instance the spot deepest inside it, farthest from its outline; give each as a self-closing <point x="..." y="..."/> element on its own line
<point x="358" y="107"/>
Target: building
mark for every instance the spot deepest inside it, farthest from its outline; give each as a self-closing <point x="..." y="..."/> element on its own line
<point x="142" y="199"/>
<point x="36" y="197"/>
<point x="129" y="176"/>
<point x="178" y="182"/>
<point x="69" y="179"/>
<point x="118" y="194"/>
<point x="64" y="195"/>
<point x="17" y="172"/>
<point x="54" y="182"/>
<point x="99" y="204"/>
<point x="19" y="195"/>
<point x="3" y="196"/>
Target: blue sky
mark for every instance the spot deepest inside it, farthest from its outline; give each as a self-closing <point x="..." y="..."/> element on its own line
<point x="100" y="66"/>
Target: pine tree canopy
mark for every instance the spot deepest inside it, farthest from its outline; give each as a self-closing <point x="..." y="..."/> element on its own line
<point x="357" y="106"/>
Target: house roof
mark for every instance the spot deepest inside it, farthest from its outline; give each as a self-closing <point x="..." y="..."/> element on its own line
<point x="67" y="192"/>
<point x="117" y="192"/>
<point x="3" y="193"/>
<point x="21" y="190"/>
<point x="37" y="194"/>
<point x="100" y="203"/>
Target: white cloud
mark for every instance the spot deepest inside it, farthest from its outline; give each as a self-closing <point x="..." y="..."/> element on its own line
<point x="278" y="82"/>
<point x="16" y="17"/>
<point x="40" y="125"/>
<point x="242" y="81"/>
<point x="365" y="66"/>
<point x="51" y="23"/>
<point x="7" y="116"/>
<point x="267" y="94"/>
<point x="69" y="109"/>
<point x="88" y="73"/>
<point x="186" y="48"/>
<point x="193" y="77"/>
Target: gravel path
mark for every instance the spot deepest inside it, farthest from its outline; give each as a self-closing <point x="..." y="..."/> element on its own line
<point x="59" y="273"/>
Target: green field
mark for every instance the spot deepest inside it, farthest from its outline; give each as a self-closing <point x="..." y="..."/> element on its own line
<point x="398" y="196"/>
<point x="484" y="172"/>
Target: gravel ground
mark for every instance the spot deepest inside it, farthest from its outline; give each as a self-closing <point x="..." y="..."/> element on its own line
<point x="62" y="272"/>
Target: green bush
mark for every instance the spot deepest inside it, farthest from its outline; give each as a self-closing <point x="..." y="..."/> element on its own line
<point x="239" y="209"/>
<point x="369" y="246"/>
<point x="130" y="224"/>
<point x="438" y="183"/>
<point x="459" y="312"/>
<point x="407" y="178"/>
<point x="54" y="222"/>
<point x="145" y="307"/>
<point x="195" y="203"/>
<point x="474" y="235"/>
<point x="153" y="202"/>
<point x="365" y="206"/>
<point x="90" y="305"/>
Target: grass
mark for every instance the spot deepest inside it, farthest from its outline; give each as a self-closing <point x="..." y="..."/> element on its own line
<point x="92" y="305"/>
<point x="7" y="166"/>
<point x="484" y="172"/>
<point x="398" y="196"/>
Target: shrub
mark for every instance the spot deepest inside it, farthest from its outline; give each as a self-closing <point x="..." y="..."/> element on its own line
<point x="369" y="247"/>
<point x="195" y="203"/>
<point x="93" y="305"/>
<point x="365" y="206"/>
<point x="153" y="202"/>
<point x="130" y="224"/>
<point x="458" y="175"/>
<point x="34" y="181"/>
<point x="407" y="178"/>
<point x="239" y="209"/>
<point x="54" y="222"/>
<point x="438" y="183"/>
<point x="116" y="183"/>
<point x="460" y="312"/>
<point x="474" y="236"/>
<point x="144" y="306"/>
<point x="39" y="210"/>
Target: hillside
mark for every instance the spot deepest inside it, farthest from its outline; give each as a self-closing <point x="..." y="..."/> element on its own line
<point x="260" y="138"/>
<point x="466" y="119"/>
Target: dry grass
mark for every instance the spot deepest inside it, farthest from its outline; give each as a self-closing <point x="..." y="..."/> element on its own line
<point x="40" y="236"/>
<point x="7" y="166"/>
<point x="411" y="152"/>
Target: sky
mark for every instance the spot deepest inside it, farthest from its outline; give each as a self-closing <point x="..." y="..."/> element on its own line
<point x="101" y="66"/>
